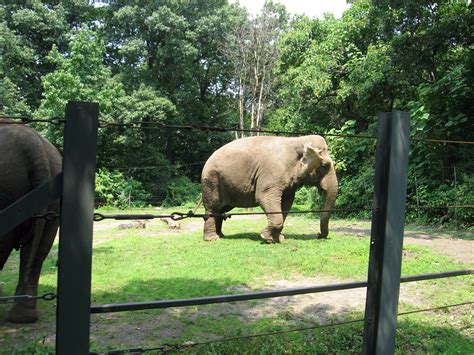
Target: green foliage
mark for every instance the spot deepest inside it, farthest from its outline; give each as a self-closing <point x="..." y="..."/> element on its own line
<point x="112" y="188"/>
<point x="163" y="62"/>
<point x="80" y="75"/>
<point x="337" y="75"/>
<point x="180" y="191"/>
<point x="28" y="32"/>
<point x="308" y="198"/>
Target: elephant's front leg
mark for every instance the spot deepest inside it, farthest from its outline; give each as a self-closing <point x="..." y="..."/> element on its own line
<point x="272" y="232"/>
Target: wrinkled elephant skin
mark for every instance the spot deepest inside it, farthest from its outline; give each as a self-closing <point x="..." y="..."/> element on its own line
<point x="26" y="161"/>
<point x="266" y="172"/>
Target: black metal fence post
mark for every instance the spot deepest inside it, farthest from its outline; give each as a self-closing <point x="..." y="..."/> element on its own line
<point x="388" y="219"/>
<point x="75" y="242"/>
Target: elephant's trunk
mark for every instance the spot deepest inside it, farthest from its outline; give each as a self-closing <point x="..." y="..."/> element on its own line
<point x="329" y="186"/>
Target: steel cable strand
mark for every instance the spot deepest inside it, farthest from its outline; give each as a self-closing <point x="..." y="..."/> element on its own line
<point x="190" y="344"/>
<point x="177" y="216"/>
<point x="27" y="120"/>
<point x="25" y="298"/>
<point x="160" y="125"/>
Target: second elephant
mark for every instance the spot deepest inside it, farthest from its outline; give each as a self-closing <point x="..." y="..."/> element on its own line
<point x="266" y="172"/>
<point x="27" y="160"/>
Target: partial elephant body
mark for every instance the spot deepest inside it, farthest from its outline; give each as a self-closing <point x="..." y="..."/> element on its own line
<point x="26" y="161"/>
<point x="265" y="171"/>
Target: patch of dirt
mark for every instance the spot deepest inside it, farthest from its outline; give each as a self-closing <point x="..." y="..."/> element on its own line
<point x="442" y="242"/>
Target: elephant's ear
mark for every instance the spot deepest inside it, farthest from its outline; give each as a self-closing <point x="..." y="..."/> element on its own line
<point x="311" y="157"/>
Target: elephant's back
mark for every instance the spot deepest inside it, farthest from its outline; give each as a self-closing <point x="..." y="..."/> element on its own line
<point x="249" y="153"/>
<point x="235" y="157"/>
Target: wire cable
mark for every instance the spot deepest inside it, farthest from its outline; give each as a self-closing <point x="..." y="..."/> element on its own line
<point x="160" y="125"/>
<point x="25" y="298"/>
<point x="189" y="344"/>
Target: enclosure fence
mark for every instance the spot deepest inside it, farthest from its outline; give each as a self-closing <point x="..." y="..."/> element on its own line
<point x="77" y="217"/>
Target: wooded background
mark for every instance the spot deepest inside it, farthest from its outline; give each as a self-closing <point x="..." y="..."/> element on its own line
<point x="211" y="63"/>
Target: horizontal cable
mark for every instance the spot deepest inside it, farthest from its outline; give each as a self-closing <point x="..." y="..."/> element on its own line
<point x="441" y="141"/>
<point x="176" y="166"/>
<point x="438" y="207"/>
<point x="189" y="344"/>
<point x="25" y="298"/>
<point x="121" y="307"/>
<point x="435" y="308"/>
<point x="177" y="216"/>
<point x="27" y="120"/>
<point x="165" y="348"/>
<point x="160" y="125"/>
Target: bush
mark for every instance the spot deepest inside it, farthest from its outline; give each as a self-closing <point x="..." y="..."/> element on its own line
<point x="112" y="188"/>
<point x="308" y="198"/>
<point x="426" y="193"/>
<point x="181" y="191"/>
<point x="356" y="191"/>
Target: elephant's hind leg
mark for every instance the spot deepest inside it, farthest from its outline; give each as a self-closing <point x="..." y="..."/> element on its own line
<point x="272" y="232"/>
<point x="30" y="270"/>
<point x="24" y="312"/>
<point x="210" y="229"/>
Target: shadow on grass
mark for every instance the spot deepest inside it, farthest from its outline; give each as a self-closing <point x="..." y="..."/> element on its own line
<point x="256" y="237"/>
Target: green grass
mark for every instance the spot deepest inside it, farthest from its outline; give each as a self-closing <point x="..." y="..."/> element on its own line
<point x="132" y="265"/>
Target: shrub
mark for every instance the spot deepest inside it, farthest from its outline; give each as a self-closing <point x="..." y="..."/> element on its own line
<point x="356" y="191"/>
<point x="308" y="198"/>
<point x="180" y="191"/>
<point x="112" y="188"/>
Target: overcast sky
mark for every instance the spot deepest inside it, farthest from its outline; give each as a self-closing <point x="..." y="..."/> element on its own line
<point x="311" y="8"/>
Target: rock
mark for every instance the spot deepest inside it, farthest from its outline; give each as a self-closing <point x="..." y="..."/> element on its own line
<point x="139" y="224"/>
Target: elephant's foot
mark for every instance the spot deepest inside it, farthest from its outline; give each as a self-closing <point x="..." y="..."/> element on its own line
<point x="211" y="237"/>
<point x="267" y="238"/>
<point x="21" y="314"/>
<point x="320" y="236"/>
<point x="279" y="239"/>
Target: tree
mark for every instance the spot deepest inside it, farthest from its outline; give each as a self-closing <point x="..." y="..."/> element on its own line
<point x="80" y="75"/>
<point x="173" y="48"/>
<point x="29" y="31"/>
<point x="251" y="48"/>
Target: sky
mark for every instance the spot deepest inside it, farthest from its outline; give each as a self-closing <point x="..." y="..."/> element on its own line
<point x="311" y="8"/>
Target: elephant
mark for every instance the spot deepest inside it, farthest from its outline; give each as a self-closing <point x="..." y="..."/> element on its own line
<point x="27" y="160"/>
<point x="266" y="171"/>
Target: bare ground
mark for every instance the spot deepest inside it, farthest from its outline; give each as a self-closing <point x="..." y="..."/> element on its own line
<point x="310" y="308"/>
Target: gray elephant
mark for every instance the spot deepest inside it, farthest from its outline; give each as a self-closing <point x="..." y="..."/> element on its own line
<point x="266" y="171"/>
<point x="27" y="160"/>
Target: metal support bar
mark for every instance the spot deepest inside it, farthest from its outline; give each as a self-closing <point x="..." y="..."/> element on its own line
<point x="31" y="203"/>
<point x="388" y="219"/>
<point x="122" y="307"/>
<point x="75" y="242"/>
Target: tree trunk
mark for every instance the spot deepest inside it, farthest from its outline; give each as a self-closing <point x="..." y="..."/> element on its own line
<point x="241" y="106"/>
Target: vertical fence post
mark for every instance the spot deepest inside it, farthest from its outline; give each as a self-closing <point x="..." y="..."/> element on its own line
<point x="388" y="219"/>
<point x="75" y="242"/>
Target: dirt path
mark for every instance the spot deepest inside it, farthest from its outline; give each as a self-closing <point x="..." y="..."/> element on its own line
<point x="441" y="242"/>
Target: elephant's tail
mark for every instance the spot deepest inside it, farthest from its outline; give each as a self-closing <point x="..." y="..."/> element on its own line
<point x="40" y="172"/>
<point x="198" y="204"/>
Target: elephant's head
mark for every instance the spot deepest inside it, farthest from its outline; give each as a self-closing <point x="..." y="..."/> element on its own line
<point x="318" y="170"/>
